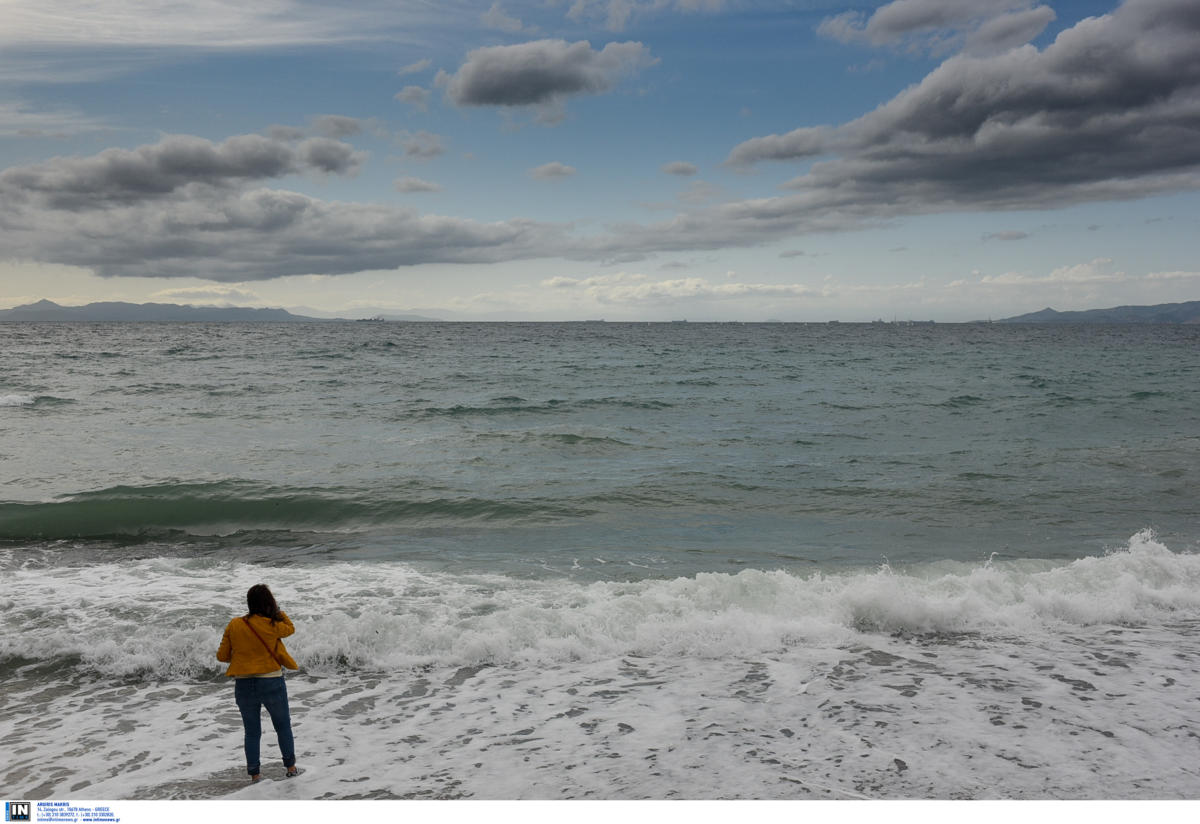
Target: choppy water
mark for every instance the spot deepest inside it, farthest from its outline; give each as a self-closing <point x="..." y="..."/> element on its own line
<point x="607" y="560"/>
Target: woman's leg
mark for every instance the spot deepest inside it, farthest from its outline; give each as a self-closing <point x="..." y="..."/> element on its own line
<point x="245" y="692"/>
<point x="275" y="699"/>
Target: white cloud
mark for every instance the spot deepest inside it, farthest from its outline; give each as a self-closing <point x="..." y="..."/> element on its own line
<point x="681" y="168"/>
<point x="215" y="293"/>
<point x="21" y="119"/>
<point x="616" y="14"/>
<point x="1177" y="275"/>
<point x="415" y="68"/>
<point x="414" y="96"/>
<point x="495" y="18"/>
<point x="415" y="184"/>
<point x="635" y="288"/>
<point x="205" y="24"/>
<point x="1094" y="271"/>
<point x="552" y="171"/>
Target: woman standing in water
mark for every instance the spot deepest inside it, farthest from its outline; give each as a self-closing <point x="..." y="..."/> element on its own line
<point x="253" y="648"/>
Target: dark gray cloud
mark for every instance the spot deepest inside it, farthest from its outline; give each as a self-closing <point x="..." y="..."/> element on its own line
<point x="184" y="208"/>
<point x="541" y="72"/>
<point x="229" y="236"/>
<point x="338" y="126"/>
<point x="323" y="154"/>
<point x="943" y="25"/>
<point x="118" y="176"/>
<point x="1009" y="30"/>
<point x="1011" y="235"/>
<point x="1111" y="109"/>
<point x="798" y="143"/>
<point x="422" y="145"/>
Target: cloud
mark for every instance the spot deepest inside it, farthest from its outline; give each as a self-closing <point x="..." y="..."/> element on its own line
<point x="414" y="96"/>
<point x="1109" y="111"/>
<point x="495" y="18"/>
<point x="681" y="168"/>
<point x="262" y="234"/>
<point x="1173" y="276"/>
<point x="120" y="176"/>
<point x="215" y="293"/>
<point x="286" y="134"/>
<point x="19" y="119"/>
<point x="422" y="145"/>
<point x="1006" y="236"/>
<point x="185" y="207"/>
<point x="617" y="13"/>
<point x="941" y="26"/>
<point x="1095" y="271"/>
<point x="542" y="72"/>
<point x="338" y="126"/>
<point x="627" y="288"/>
<point x="552" y="171"/>
<point x="415" y="68"/>
<point x="329" y="156"/>
<point x="1009" y="31"/>
<point x="415" y="184"/>
<point x="203" y="24"/>
<point x="798" y="143"/>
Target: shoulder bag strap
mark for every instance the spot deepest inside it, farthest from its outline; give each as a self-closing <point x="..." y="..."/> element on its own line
<point x="264" y="643"/>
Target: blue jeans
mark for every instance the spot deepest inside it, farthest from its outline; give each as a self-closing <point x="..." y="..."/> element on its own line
<point x="252" y="694"/>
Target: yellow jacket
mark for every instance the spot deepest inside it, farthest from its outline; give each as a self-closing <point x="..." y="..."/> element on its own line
<point x="246" y="654"/>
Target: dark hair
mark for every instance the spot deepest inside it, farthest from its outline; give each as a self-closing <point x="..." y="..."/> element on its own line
<point x="261" y="602"/>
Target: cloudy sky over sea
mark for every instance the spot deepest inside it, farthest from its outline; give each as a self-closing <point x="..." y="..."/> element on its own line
<point x="624" y="159"/>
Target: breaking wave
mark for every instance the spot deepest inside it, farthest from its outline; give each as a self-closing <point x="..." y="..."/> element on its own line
<point x="373" y="617"/>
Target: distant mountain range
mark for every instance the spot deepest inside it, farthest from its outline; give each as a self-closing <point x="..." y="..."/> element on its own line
<point x="46" y="310"/>
<point x="1162" y="313"/>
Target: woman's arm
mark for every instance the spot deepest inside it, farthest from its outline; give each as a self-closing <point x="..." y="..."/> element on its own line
<point x="283" y="625"/>
<point x="225" y="651"/>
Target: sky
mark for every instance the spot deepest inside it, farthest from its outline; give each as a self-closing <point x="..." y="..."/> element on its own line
<point x="947" y="160"/>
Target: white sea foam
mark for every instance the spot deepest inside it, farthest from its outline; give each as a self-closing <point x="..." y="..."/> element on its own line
<point x="384" y="616"/>
<point x="1027" y="680"/>
<point x="17" y="400"/>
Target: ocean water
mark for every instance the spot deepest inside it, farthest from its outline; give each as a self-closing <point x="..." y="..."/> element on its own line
<point x="602" y="560"/>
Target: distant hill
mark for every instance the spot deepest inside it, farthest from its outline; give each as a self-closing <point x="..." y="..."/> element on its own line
<point x="1162" y="313"/>
<point x="46" y="310"/>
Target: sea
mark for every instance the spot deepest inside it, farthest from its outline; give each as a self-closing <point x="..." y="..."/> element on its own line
<point x="605" y="560"/>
